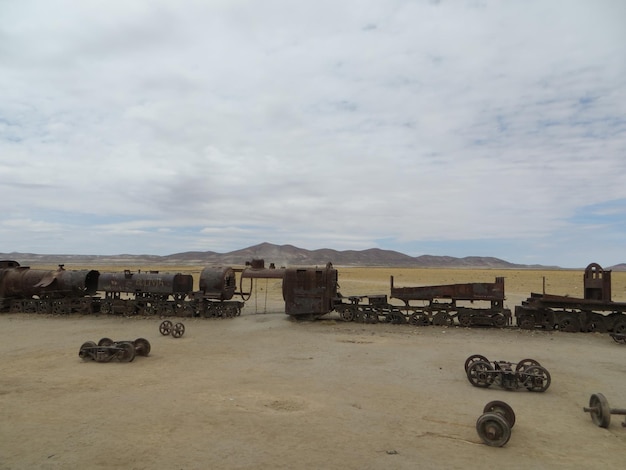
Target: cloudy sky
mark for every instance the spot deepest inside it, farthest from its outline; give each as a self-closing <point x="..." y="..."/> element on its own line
<point x="460" y="128"/>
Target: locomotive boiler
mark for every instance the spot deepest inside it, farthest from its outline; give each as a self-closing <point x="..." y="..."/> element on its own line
<point x="155" y="293"/>
<point x="59" y="291"/>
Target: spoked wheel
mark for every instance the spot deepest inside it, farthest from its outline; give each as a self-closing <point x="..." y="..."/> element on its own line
<point x="493" y="429"/>
<point x="480" y="374"/>
<point x="126" y="353"/>
<point x="503" y="409"/>
<point x="536" y="379"/>
<point x="347" y="314"/>
<point x="474" y="358"/>
<point x="465" y="318"/>
<point x="85" y="350"/>
<point x="419" y="319"/>
<point x="443" y="319"/>
<point x="106" y="308"/>
<point x="524" y="364"/>
<point x="620" y="327"/>
<point x="166" y="309"/>
<point x="395" y="318"/>
<point x="370" y="317"/>
<point x="105" y="342"/>
<point x="165" y="327"/>
<point x="178" y="330"/>
<point x="59" y="308"/>
<point x="142" y="346"/>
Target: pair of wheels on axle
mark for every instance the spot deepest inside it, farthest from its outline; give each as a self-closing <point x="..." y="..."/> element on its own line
<point x="495" y="424"/>
<point x="168" y="328"/>
<point x="601" y="412"/>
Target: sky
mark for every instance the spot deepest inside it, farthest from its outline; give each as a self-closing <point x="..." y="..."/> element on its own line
<point x="452" y="128"/>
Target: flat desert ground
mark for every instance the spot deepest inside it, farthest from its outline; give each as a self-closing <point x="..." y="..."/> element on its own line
<point x="264" y="392"/>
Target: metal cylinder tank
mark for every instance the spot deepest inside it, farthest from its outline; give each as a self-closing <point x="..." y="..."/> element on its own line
<point x="151" y="282"/>
<point x="218" y="282"/>
<point x="23" y="282"/>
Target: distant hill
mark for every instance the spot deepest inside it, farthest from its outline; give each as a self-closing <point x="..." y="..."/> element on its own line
<point x="618" y="267"/>
<point x="280" y="255"/>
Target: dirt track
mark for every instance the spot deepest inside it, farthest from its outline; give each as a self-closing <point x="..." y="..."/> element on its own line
<point x="261" y="391"/>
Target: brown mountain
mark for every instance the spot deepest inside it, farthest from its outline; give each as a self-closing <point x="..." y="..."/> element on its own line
<point x="280" y="255"/>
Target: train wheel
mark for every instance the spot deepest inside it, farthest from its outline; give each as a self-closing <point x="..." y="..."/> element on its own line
<point x="178" y="330"/>
<point x="105" y="342"/>
<point x="474" y="358"/>
<point x="619" y="327"/>
<point x="443" y="319"/>
<point x="85" y="350"/>
<point x="503" y="409"/>
<point x="600" y="411"/>
<point x="465" y="318"/>
<point x="165" y="327"/>
<point x="126" y="353"/>
<point x="525" y="364"/>
<point x="207" y="310"/>
<point x="480" y="374"/>
<point x="106" y="308"/>
<point x="346" y="314"/>
<point x="371" y="317"/>
<point x="419" y="319"/>
<point x="596" y="323"/>
<point x="395" y="318"/>
<point x="499" y="320"/>
<point x="526" y="321"/>
<point x="569" y="323"/>
<point x="142" y="346"/>
<point x="493" y="429"/>
<point x="58" y="307"/>
<point x="536" y="379"/>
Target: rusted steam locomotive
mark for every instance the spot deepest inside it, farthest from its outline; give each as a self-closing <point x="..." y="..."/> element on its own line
<point x="62" y="291"/>
<point x="310" y="293"/>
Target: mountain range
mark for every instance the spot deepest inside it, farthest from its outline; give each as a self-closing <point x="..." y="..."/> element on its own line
<point x="283" y="255"/>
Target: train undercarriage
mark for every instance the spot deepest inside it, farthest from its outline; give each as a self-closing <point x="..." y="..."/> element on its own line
<point x="375" y="309"/>
<point x="143" y="306"/>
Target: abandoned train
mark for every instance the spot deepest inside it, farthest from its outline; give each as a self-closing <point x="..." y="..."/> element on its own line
<point x="62" y="291"/>
<point x="308" y="293"/>
<point x="311" y="293"/>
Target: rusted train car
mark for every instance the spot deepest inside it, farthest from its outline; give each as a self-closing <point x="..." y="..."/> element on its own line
<point x="594" y="312"/>
<point x="23" y="289"/>
<point x="62" y="291"/>
<point x="313" y="292"/>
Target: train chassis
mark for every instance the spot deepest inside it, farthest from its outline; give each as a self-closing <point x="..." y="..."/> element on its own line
<point x="375" y="309"/>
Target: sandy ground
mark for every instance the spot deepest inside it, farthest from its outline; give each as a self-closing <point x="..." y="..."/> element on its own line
<point x="263" y="392"/>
